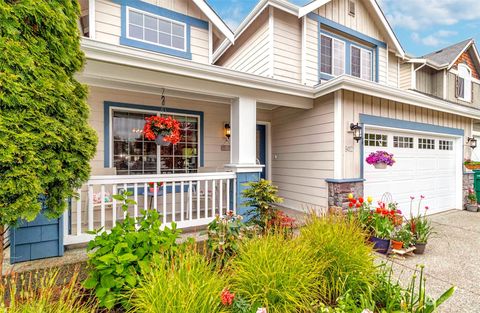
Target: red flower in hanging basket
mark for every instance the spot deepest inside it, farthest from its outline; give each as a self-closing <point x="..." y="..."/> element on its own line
<point x="168" y="127"/>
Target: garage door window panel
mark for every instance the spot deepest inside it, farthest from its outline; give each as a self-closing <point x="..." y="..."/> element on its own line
<point x="376" y="140"/>
<point x="402" y="142"/>
<point x="426" y="143"/>
<point x="445" y="145"/>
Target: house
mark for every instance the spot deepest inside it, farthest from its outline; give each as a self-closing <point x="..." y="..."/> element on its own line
<point x="279" y="98"/>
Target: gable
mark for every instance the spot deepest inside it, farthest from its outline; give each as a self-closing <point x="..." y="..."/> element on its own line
<point x="468" y="58"/>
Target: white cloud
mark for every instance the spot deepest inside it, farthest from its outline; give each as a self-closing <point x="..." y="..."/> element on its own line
<point x="234" y="14"/>
<point x="435" y="39"/>
<point x="419" y="14"/>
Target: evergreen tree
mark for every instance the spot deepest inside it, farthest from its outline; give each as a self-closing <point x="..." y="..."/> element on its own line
<point x="45" y="140"/>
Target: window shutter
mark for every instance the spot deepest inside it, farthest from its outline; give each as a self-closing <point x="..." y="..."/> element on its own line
<point x="456" y="87"/>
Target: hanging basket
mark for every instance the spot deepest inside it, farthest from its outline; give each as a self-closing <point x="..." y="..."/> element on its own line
<point x="161" y="142"/>
<point x="164" y="130"/>
<point x="380" y="166"/>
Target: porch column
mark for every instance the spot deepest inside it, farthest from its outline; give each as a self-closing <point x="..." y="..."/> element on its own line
<point x="243" y="155"/>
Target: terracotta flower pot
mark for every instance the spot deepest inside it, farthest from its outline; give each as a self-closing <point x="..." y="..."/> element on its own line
<point x="380" y="245"/>
<point x="419" y="248"/>
<point x="380" y="166"/>
<point x="397" y="245"/>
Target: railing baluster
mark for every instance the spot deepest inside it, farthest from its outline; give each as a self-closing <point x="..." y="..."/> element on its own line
<point x="102" y="206"/>
<point x="182" y="201"/>
<point x="220" y="208"/>
<point x="198" y="199"/>
<point x="164" y="198"/>
<point x="135" y="198"/>
<point x="155" y="196"/>
<point x="125" y="189"/>
<point x="114" y="206"/>
<point x="190" y="200"/>
<point x="228" y="196"/>
<point x="234" y="196"/>
<point x="173" y="201"/>
<point x="214" y="186"/>
<point x="145" y="196"/>
<point x="79" y="212"/>
<point x="206" y="198"/>
<point x="90" y="207"/>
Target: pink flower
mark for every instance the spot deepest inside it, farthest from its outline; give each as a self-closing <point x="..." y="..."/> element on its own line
<point x="426" y="207"/>
<point x="422" y="197"/>
<point x="227" y="297"/>
<point x="262" y="310"/>
<point x="412" y="197"/>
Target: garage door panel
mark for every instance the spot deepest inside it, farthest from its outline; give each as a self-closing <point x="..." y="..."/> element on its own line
<point x="431" y="172"/>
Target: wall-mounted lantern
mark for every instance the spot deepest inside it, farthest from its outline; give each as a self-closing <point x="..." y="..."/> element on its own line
<point x="472" y="142"/>
<point x="357" y="131"/>
<point x="227" y="132"/>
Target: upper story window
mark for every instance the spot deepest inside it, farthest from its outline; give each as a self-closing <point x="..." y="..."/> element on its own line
<point x="361" y="62"/>
<point x="464" y="83"/>
<point x="156" y="30"/>
<point x="332" y="56"/>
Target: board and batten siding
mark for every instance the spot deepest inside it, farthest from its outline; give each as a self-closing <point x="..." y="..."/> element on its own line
<point x="393" y="70"/>
<point x="108" y="24"/>
<point x="382" y="66"/>
<point x="451" y="91"/>
<point x="302" y="154"/>
<point x="251" y="51"/>
<point x="405" y="81"/>
<point x="430" y="81"/>
<point x="287" y="47"/>
<point x="355" y="104"/>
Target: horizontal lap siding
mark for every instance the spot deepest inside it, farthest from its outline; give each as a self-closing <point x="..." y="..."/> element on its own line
<point x="302" y="148"/>
<point x="311" y="61"/>
<point x="214" y="114"/>
<point x="355" y="104"/>
<point x="287" y="47"/>
<point x="251" y="51"/>
<point x="108" y="24"/>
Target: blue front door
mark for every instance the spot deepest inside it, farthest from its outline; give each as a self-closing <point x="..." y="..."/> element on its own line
<point x="262" y="149"/>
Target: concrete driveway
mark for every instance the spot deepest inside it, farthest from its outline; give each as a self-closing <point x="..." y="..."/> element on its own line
<point x="452" y="257"/>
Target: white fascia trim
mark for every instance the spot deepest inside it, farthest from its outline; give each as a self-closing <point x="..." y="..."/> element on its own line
<point x="429" y="63"/>
<point x="312" y="6"/>
<point x="252" y="16"/>
<point x="92" y="30"/>
<point x="216" y="20"/>
<point x="105" y="52"/>
<point x="394" y="94"/>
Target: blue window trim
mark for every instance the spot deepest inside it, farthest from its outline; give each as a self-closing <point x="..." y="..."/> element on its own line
<point x="107" y="118"/>
<point x="156" y="10"/>
<point x="348" y="43"/>
<point x="401" y="124"/>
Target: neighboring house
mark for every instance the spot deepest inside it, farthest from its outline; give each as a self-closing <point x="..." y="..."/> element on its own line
<point x="295" y="78"/>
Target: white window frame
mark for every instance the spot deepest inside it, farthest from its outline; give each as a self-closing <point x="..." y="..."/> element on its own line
<point x="129" y="9"/>
<point x="333" y="55"/>
<point x="467" y="85"/>
<point x="157" y="113"/>
<point x="361" y="67"/>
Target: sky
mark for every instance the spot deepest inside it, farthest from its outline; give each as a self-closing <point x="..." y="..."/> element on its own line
<point x="422" y="26"/>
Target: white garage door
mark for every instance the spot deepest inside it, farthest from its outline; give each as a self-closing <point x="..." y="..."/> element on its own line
<point x="425" y="165"/>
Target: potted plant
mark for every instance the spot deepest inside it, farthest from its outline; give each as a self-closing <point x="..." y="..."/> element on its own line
<point x="397" y="242"/>
<point x="402" y="238"/>
<point x="472" y="206"/>
<point x="420" y="227"/>
<point x="382" y="228"/>
<point x="164" y="130"/>
<point x="397" y="217"/>
<point x="151" y="186"/>
<point x="380" y="159"/>
<point x="471" y="165"/>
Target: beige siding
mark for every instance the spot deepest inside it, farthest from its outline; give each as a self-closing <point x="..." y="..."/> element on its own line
<point x="354" y="104"/>
<point x="393" y="72"/>
<point x="337" y="10"/>
<point x="251" y="52"/>
<point x="451" y="93"/>
<point x="423" y="78"/>
<point x="287" y="47"/>
<point x="302" y="148"/>
<point x="108" y="24"/>
<point x="405" y="76"/>
<point x="311" y="62"/>
<point x="382" y="66"/>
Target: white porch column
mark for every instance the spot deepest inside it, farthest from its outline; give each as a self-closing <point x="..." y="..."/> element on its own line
<point x="243" y="145"/>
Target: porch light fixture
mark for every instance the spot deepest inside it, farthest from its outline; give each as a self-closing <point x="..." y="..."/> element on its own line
<point x="472" y="142"/>
<point x="227" y="131"/>
<point x="357" y="131"/>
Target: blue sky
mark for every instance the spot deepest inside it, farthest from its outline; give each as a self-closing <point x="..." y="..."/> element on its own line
<point x="422" y="26"/>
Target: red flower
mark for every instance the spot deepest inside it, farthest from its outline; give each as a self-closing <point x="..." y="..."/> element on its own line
<point x="227" y="297"/>
<point x="166" y="126"/>
<point x="350" y="204"/>
<point x="360" y="200"/>
<point x="358" y="205"/>
<point x="378" y="210"/>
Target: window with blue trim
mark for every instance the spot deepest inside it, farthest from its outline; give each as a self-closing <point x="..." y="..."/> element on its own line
<point x="154" y="29"/>
<point x="135" y="155"/>
<point x="332" y="60"/>
<point x="361" y="63"/>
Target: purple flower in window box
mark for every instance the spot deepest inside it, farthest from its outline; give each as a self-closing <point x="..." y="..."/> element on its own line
<point x="380" y="159"/>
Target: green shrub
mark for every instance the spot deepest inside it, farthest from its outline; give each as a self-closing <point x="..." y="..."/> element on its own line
<point x="186" y="284"/>
<point x="117" y="257"/>
<point x="43" y="292"/>
<point x="342" y="244"/>
<point x="276" y="273"/>
<point x="261" y="197"/>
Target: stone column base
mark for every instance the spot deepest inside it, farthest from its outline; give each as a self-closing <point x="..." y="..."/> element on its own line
<point x="339" y="189"/>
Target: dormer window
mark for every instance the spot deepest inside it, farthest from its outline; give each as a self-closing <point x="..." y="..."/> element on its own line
<point x="464" y="83"/>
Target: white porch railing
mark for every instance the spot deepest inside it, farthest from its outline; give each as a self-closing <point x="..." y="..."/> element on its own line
<point x="188" y="199"/>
